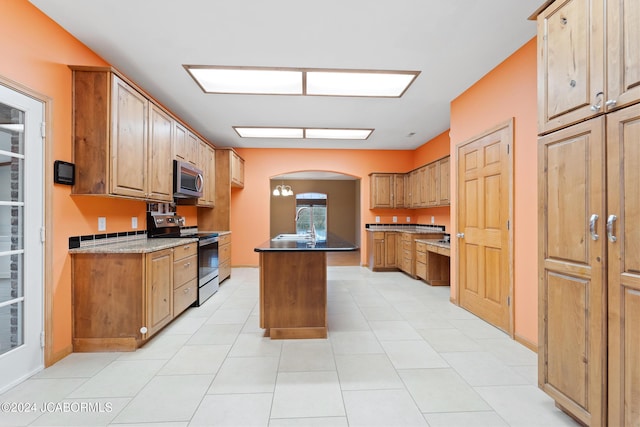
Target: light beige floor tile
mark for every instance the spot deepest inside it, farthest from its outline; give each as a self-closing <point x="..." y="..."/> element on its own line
<point x="477" y="328"/>
<point x="509" y="351"/>
<point x="78" y="365"/>
<point x="426" y="320"/>
<point x="394" y="330"/>
<point x="222" y="316"/>
<point x="525" y="406"/>
<point x="247" y="410"/>
<point x="363" y="342"/>
<point x="246" y="375"/>
<point x="449" y="340"/>
<point x="371" y="408"/>
<point x="196" y="359"/>
<point x="307" y="394"/>
<point x="441" y="390"/>
<point x="167" y="424"/>
<point x="380" y="313"/>
<point x="483" y="369"/>
<point x="347" y="322"/>
<point x="216" y="334"/>
<point x="465" y="419"/>
<point x="306" y="355"/>
<point x="166" y="398"/>
<point x="309" y="422"/>
<point x="122" y="378"/>
<point x="161" y="347"/>
<point x="184" y="325"/>
<point x="413" y="355"/>
<point x="255" y="345"/>
<point x="367" y="372"/>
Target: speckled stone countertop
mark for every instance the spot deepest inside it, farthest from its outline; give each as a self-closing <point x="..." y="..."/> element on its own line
<point x="435" y="243"/>
<point x="404" y="229"/>
<point x="139" y="246"/>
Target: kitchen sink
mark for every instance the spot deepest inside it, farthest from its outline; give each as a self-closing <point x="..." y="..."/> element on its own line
<point x="293" y="237"/>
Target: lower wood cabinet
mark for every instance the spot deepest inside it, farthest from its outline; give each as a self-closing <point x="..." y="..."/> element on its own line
<point x="432" y="263"/>
<point x="392" y="250"/>
<point x="224" y="257"/>
<point x="120" y="300"/>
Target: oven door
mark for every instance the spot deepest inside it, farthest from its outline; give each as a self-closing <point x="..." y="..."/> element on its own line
<point x="207" y="268"/>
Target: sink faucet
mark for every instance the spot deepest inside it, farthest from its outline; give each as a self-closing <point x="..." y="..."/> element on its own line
<point x="313" y="226"/>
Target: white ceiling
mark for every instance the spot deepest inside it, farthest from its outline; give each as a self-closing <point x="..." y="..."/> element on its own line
<point x="452" y="43"/>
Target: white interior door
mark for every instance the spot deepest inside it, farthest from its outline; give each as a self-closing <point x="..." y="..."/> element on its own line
<point x="21" y="247"/>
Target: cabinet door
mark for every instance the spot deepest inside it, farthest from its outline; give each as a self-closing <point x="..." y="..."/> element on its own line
<point x="424" y="187"/>
<point x="378" y="253"/>
<point x="390" y="249"/>
<point x="623" y="53"/>
<point x="570" y="63"/>
<point x="415" y="188"/>
<point x="623" y="154"/>
<point x="433" y="170"/>
<point x="207" y="163"/>
<point x="128" y="140"/>
<point x="159" y="284"/>
<point x="381" y="190"/>
<point x="160" y="168"/>
<point x="180" y="146"/>
<point x="443" y="185"/>
<point x="398" y="190"/>
<point x="572" y="293"/>
<point x="237" y="170"/>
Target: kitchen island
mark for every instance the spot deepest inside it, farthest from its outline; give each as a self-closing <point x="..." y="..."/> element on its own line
<point x="293" y="286"/>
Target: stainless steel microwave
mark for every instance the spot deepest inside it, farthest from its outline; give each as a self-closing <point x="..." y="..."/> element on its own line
<point x="187" y="180"/>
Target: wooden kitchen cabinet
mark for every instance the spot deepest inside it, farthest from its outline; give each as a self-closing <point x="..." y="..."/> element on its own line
<point x="123" y="141"/>
<point x="584" y="71"/>
<point x="387" y="190"/>
<point x="589" y="309"/>
<point x="185" y="277"/>
<point x="120" y="300"/>
<point x="207" y="162"/>
<point x="382" y="250"/>
<point x="237" y="170"/>
<point x="224" y="256"/>
<point x="444" y="190"/>
<point x="433" y="184"/>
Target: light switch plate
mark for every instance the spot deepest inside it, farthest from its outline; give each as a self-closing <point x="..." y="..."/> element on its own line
<point x="102" y="223"/>
<point x="408" y="219"/>
<point x="433" y="219"/>
<point x="395" y="219"/>
<point x="377" y="219"/>
<point x="134" y="222"/>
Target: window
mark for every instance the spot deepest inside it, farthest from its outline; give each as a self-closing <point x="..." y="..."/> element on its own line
<point x="312" y="207"/>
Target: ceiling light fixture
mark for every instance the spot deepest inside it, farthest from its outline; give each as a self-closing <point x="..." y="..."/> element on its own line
<point x="283" y="190"/>
<point x="302" y="133"/>
<point x="301" y="81"/>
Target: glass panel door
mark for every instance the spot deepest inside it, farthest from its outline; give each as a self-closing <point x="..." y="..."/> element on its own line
<point x="21" y="249"/>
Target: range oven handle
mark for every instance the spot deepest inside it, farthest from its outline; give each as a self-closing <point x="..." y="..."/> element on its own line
<point x="207" y="241"/>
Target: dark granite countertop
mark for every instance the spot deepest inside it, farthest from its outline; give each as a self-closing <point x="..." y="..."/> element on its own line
<point x="332" y="244"/>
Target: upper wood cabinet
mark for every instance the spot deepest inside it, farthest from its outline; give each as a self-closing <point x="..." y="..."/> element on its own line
<point x="433" y="184"/>
<point x="444" y="197"/>
<point x="381" y="190"/>
<point x="583" y="71"/>
<point x="207" y="162"/>
<point x="237" y="170"/>
<point x="123" y="142"/>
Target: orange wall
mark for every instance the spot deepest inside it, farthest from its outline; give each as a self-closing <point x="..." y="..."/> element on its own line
<point x="250" y="206"/>
<point x="509" y="91"/>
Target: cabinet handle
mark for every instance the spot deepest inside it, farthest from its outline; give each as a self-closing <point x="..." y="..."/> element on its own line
<point x="592" y="226"/>
<point x="611" y="103"/>
<point x="187" y="265"/>
<point x="598" y="106"/>
<point x="186" y="248"/>
<point x="460" y="235"/>
<point x="186" y="291"/>
<point x="610" y="235"/>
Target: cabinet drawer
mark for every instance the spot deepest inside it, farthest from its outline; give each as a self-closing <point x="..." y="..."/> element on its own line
<point x="184" y="270"/>
<point x="406" y="237"/>
<point x="184" y="251"/>
<point x="421" y="257"/>
<point x="421" y="247"/>
<point x="378" y="235"/>
<point x="407" y="254"/>
<point x="224" y="270"/>
<point x="406" y="265"/>
<point x="224" y="239"/>
<point x="421" y="269"/>
<point x="184" y="296"/>
<point x="224" y="253"/>
<point x="444" y="251"/>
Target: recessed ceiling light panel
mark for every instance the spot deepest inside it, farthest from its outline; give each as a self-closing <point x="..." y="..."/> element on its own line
<point x="337" y="133"/>
<point x="376" y="84"/>
<point x="268" y="132"/>
<point x="248" y="81"/>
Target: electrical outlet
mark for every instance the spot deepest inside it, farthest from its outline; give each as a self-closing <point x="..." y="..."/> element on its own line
<point x="408" y="219"/>
<point x="134" y="222"/>
<point x="102" y="223"/>
<point x="395" y="219"/>
<point x="433" y="219"/>
<point x="377" y="219"/>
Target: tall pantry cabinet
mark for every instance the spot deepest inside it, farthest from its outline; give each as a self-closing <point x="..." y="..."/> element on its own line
<point x="589" y="213"/>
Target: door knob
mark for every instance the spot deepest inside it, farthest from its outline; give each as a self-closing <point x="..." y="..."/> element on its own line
<point x="460" y="235"/>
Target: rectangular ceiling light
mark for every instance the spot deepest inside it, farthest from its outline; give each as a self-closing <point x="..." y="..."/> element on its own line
<point x="301" y="81"/>
<point x="360" y="83"/>
<point x="302" y="133"/>
<point x="337" y="133"/>
<point x="268" y="132"/>
<point x="248" y="80"/>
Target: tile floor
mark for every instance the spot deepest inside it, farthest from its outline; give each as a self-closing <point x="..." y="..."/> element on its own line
<point x="398" y="354"/>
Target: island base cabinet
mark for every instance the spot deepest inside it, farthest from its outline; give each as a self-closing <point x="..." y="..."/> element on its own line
<point x="293" y="294"/>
